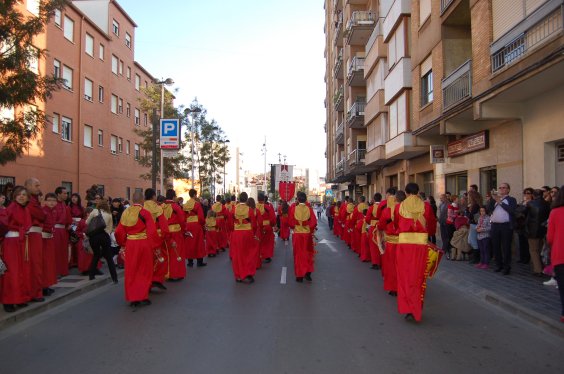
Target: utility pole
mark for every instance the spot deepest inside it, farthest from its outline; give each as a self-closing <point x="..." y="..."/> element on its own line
<point x="154" y="150"/>
<point x="264" y="178"/>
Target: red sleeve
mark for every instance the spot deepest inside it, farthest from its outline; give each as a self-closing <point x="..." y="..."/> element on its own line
<point x="312" y="220"/>
<point x="162" y="223"/>
<point x="151" y="228"/>
<point x="121" y="235"/>
<point x="37" y="213"/>
<point x="368" y="216"/>
<point x="253" y="219"/>
<point x="68" y="215"/>
<point x="200" y="210"/>
<point x="383" y="221"/>
<point x="291" y="218"/>
<point x="551" y="227"/>
<point x="180" y="215"/>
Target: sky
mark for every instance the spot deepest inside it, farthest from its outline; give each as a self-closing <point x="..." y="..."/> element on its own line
<point x="257" y="67"/>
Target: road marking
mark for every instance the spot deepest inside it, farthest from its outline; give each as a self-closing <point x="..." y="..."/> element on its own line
<point x="329" y="244"/>
<point x="283" y="276"/>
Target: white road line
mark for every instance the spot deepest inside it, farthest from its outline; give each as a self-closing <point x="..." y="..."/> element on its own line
<point x="283" y="276"/>
<point x="329" y="244"/>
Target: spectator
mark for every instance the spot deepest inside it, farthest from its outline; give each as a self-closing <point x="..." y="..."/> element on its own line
<point x="452" y="213"/>
<point x="472" y="212"/>
<point x="546" y="194"/>
<point x="101" y="242"/>
<point x="520" y="226"/>
<point x="555" y="238"/>
<point x="7" y="192"/>
<point x="483" y="228"/>
<point x="503" y="222"/>
<point x="432" y="226"/>
<point x="459" y="241"/>
<point x="90" y="195"/>
<point x="443" y="211"/>
<point x="116" y="210"/>
<point x="535" y="228"/>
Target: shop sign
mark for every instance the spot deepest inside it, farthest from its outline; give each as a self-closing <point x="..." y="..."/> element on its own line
<point x="468" y="144"/>
<point x="438" y="154"/>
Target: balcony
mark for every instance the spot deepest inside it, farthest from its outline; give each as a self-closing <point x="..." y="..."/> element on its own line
<point x="338" y="69"/>
<point x="529" y="34"/>
<point x="340" y="134"/>
<point x="355" y="75"/>
<point x="445" y="4"/>
<point x="377" y="156"/>
<point x="360" y="26"/>
<point x="357" y="157"/>
<point x="339" y="99"/>
<point x="340" y="169"/>
<point x="375" y="106"/>
<point x="395" y="15"/>
<point x="398" y="79"/>
<point x="403" y="147"/>
<point x="457" y="87"/>
<point x="338" y="36"/>
<point x="355" y="116"/>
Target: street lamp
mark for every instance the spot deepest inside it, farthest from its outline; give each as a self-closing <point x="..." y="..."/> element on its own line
<point x="163" y="82"/>
<point x="192" y="130"/>
<point x="224" y="142"/>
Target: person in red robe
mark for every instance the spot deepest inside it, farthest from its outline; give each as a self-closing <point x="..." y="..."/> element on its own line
<point x="63" y="220"/>
<point x="212" y="234"/>
<point x="371" y="220"/>
<point x="79" y="257"/>
<point x="175" y="243"/>
<point x="358" y="221"/>
<point x="343" y="219"/>
<point x="137" y="235"/>
<point x="337" y="224"/>
<point x="49" y="255"/>
<point x="221" y="214"/>
<point x="411" y="218"/>
<point x="195" y="221"/>
<point x="244" y="254"/>
<point x="304" y="222"/>
<point x="14" y="285"/>
<point x="349" y="223"/>
<point x="35" y="240"/>
<point x="387" y="227"/>
<point x="284" y="229"/>
<point x="160" y="254"/>
<point x="266" y="221"/>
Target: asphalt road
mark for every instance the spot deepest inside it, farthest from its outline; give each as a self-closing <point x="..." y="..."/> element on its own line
<point x="343" y="322"/>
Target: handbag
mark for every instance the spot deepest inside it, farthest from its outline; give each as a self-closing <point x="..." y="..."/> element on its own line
<point x="96" y="225"/>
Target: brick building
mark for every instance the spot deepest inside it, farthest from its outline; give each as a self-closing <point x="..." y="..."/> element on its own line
<point x="480" y="78"/>
<point x="89" y="138"/>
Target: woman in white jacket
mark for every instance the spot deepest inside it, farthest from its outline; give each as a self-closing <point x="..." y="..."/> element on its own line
<point x="101" y="242"/>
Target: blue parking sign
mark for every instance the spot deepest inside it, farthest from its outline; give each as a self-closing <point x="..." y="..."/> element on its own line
<point x="170" y="133"/>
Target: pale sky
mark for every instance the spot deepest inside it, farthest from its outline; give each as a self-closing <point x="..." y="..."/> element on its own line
<point x="257" y="66"/>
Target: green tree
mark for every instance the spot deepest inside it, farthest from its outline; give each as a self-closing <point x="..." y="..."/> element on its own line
<point x="20" y="85"/>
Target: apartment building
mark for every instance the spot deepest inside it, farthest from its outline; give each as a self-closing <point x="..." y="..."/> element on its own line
<point x="480" y="80"/>
<point x="89" y="138"/>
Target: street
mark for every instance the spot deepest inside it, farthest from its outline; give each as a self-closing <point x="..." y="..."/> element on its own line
<point x="343" y="322"/>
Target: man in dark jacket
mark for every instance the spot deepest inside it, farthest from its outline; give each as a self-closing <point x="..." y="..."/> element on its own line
<point x="537" y="213"/>
<point x="503" y="221"/>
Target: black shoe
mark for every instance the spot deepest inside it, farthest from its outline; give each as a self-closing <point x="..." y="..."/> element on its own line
<point x="201" y="264"/>
<point x="47" y="292"/>
<point x="300" y="279"/>
<point x="159" y="285"/>
<point x="376" y="267"/>
<point x="22" y="305"/>
<point x="174" y="279"/>
<point x="9" y="308"/>
<point x="506" y="272"/>
<point x="308" y="277"/>
<point x="98" y="272"/>
<point x="239" y="280"/>
<point x="190" y="263"/>
<point x="497" y="270"/>
<point x="268" y="260"/>
<point x="251" y="279"/>
<point x="393" y="293"/>
<point x="134" y="304"/>
<point x="115" y="281"/>
<point x="84" y="273"/>
<point x="92" y="277"/>
<point x="146" y="302"/>
<point x="38" y="300"/>
<point x="409" y="317"/>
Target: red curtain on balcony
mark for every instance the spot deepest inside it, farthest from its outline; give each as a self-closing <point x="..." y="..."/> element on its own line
<point x="286" y="190"/>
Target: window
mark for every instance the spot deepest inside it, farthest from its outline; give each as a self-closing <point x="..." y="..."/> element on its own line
<point x="7" y="113"/>
<point x="66" y="129"/>
<point x="115" y="27"/>
<point x="55" y="123"/>
<point x="101" y="94"/>
<point x="128" y="40"/>
<point x="128" y="193"/>
<point x="559" y="153"/>
<point x="89" y="45"/>
<point x="88" y="136"/>
<point x="128" y="74"/>
<point x="87" y="89"/>
<point x="137" y="82"/>
<point x="100" y="138"/>
<point x="145" y="119"/>
<point x="427" y="88"/>
<point x="68" y="29"/>
<point x="101" y="52"/>
<point x="57" y="68"/>
<point x="137" y="117"/>
<point x="67" y="186"/>
<point x="113" y="144"/>
<point x="67" y="76"/>
<point x="139" y="191"/>
<point x="424" y="11"/>
<point x="33" y="61"/>
<point x="120" y="145"/>
<point x="115" y="63"/>
<point x="114" y="104"/>
<point x="120" y="105"/>
<point x="137" y="153"/>
<point x="127" y="147"/>
<point x="120" y="67"/>
<point x="128" y="110"/>
<point x="33" y="7"/>
<point x="58" y="17"/>
<point x="30" y="116"/>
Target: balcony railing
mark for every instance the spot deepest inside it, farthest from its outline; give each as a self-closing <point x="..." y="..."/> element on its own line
<point x="357" y="109"/>
<point x="458" y="85"/>
<point x="340" y="132"/>
<point x="362" y="18"/>
<point x="339" y="99"/>
<point x="357" y="157"/>
<point x="338" y="64"/>
<point x="338" y="37"/>
<point x="356" y="64"/>
<point x="445" y="4"/>
<point x="340" y="168"/>
<point x="527" y="40"/>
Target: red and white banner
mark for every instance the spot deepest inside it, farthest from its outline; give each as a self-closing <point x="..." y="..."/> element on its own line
<point x="286" y="190"/>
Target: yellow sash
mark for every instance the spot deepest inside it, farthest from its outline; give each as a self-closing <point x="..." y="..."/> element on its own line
<point x="302" y="215"/>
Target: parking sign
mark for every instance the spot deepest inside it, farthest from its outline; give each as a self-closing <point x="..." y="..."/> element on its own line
<point x="170" y="133"/>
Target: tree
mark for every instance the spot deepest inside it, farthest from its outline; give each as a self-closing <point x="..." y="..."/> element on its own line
<point x="20" y="85"/>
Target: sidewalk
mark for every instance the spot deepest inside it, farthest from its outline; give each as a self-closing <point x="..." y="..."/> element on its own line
<point x="68" y="288"/>
<point x="519" y="293"/>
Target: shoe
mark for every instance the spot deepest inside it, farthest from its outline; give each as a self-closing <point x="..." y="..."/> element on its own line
<point x="506" y="272"/>
<point x="238" y="280"/>
<point x="308" y="277"/>
<point x="91" y="277"/>
<point x="159" y="285"/>
<point x="497" y="270"/>
<point x="38" y="300"/>
<point x="409" y="317"/>
<point x="46" y="292"/>
<point x="268" y="260"/>
<point x="134" y="304"/>
<point x="251" y="279"/>
<point x="393" y="293"/>
<point x="9" y="308"/>
<point x="84" y="273"/>
<point x="375" y="267"/>
<point x="300" y="279"/>
<point x="190" y="263"/>
<point x="146" y="302"/>
<point x="175" y="279"/>
<point x="115" y="281"/>
<point x="201" y="263"/>
<point x="550" y="282"/>
<point x="98" y="272"/>
<point x="22" y="305"/>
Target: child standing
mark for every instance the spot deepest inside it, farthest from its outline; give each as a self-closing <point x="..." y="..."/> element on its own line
<point x="483" y="235"/>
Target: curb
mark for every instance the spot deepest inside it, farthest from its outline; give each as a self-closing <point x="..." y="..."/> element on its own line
<point x="53" y="301"/>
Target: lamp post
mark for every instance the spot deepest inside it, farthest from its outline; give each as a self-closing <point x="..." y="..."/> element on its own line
<point x="163" y="82"/>
<point x="224" y="142"/>
<point x="192" y="135"/>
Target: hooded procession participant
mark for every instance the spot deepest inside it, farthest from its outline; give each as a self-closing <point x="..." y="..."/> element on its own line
<point x="358" y="219"/>
<point x="303" y="221"/>
<point x="35" y="239"/>
<point x="175" y="242"/>
<point x="386" y="226"/>
<point x="195" y="221"/>
<point x="371" y="219"/>
<point x="244" y="258"/>
<point x="60" y="232"/>
<point x="49" y="256"/>
<point x="161" y="256"/>
<point x="221" y="214"/>
<point x="266" y="221"/>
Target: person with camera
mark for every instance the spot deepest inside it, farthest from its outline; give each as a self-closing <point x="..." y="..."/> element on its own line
<point x="502" y="208"/>
<point x="99" y="237"/>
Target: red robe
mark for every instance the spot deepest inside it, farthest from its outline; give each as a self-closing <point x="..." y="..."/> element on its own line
<point x="243" y="251"/>
<point x="14" y="285"/>
<point x="212" y="236"/>
<point x="266" y="221"/>
<point x="371" y="218"/>
<point x="195" y="222"/>
<point x="61" y="235"/>
<point x="303" y="221"/>
<point x="175" y="242"/>
<point x="160" y="253"/>
<point x="138" y="237"/>
<point x="357" y="220"/>
<point x="49" y="255"/>
<point x="35" y="247"/>
<point x="386" y="224"/>
<point x="411" y="257"/>
<point x="284" y="233"/>
<point x="337" y="224"/>
<point x="221" y="215"/>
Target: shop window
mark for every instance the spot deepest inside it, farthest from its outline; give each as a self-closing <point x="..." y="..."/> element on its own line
<point x="457" y="184"/>
<point x="488" y="180"/>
